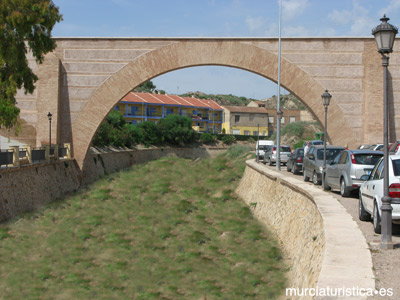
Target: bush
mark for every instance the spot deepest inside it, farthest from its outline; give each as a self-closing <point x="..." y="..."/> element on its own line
<point x="176" y="130"/>
<point x="207" y="138"/>
<point x="148" y="133"/>
<point x="228" y="139"/>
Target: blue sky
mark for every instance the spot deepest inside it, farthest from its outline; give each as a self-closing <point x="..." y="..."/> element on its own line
<point x="221" y="18"/>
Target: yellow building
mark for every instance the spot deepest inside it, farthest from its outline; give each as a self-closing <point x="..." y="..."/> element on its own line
<point x="206" y="115"/>
<point x="245" y="120"/>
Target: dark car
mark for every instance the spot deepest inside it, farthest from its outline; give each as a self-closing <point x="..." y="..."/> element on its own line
<point x="345" y="171"/>
<point x="314" y="160"/>
<point x="295" y="161"/>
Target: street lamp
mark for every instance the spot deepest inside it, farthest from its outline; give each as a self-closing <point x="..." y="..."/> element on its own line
<point x="385" y="34"/>
<point x="279" y="113"/>
<point x="326" y="99"/>
<point x="49" y="115"/>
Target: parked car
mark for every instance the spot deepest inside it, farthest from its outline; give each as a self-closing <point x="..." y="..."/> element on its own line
<point x="371" y="193"/>
<point x="376" y="147"/>
<point x="364" y="146"/>
<point x="295" y="161"/>
<point x="394" y="148"/>
<point x="345" y="171"/>
<point x="313" y="142"/>
<point x="262" y="147"/>
<point x="270" y="156"/>
<point x="314" y="160"/>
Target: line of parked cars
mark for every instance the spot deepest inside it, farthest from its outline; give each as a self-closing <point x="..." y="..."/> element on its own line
<point x="349" y="171"/>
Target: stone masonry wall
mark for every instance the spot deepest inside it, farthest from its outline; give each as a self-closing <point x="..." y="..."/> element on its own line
<point x="30" y="187"/>
<point x="293" y="217"/>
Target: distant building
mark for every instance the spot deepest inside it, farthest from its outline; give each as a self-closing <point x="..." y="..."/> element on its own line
<point x="289" y="115"/>
<point x="206" y="115"/>
<point x="245" y="120"/>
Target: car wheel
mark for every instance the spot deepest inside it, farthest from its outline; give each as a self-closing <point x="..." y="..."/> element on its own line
<point x="363" y="215"/>
<point x="324" y="183"/>
<point x="344" y="190"/>
<point x="315" y="179"/>
<point x="377" y="220"/>
<point x="305" y="177"/>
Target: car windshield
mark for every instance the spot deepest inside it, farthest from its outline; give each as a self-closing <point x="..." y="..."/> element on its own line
<point x="396" y="167"/>
<point x="330" y="153"/>
<point x="263" y="147"/>
<point x="285" y="149"/>
<point x="367" y="159"/>
<point x="317" y="143"/>
<point x="300" y="152"/>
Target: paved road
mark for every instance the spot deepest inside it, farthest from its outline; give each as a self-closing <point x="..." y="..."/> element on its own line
<point x="386" y="262"/>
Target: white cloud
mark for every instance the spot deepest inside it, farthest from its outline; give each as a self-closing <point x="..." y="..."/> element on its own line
<point x="340" y="17"/>
<point x="293" y="8"/>
<point x="255" y="24"/>
<point x="393" y="6"/>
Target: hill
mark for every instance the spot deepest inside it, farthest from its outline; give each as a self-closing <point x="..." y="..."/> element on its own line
<point x="221" y="99"/>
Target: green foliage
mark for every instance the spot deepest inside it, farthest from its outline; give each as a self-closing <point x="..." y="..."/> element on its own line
<point x="150" y="132"/>
<point x="299" y="144"/>
<point x="176" y="130"/>
<point x="22" y="23"/>
<point x="114" y="131"/>
<point x="294" y="129"/>
<point x="146" y="87"/>
<point x="207" y="138"/>
<point x="228" y="139"/>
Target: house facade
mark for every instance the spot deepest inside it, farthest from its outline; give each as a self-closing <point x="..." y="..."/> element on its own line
<point x="206" y="115"/>
<point x="245" y="120"/>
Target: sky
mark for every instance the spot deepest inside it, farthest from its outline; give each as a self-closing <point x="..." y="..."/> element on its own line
<point x="221" y="18"/>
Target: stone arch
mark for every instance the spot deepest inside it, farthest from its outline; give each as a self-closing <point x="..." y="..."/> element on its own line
<point x="199" y="53"/>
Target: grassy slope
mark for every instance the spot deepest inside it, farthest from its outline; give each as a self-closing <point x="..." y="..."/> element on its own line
<point x="169" y="229"/>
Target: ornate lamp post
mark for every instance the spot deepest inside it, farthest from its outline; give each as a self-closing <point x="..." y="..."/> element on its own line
<point x="279" y="114"/>
<point x="49" y="115"/>
<point x="385" y="34"/>
<point x="326" y="99"/>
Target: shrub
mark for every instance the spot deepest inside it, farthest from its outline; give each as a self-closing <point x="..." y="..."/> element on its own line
<point x="207" y="138"/>
<point x="149" y="133"/>
<point x="176" y="130"/>
<point x="228" y="139"/>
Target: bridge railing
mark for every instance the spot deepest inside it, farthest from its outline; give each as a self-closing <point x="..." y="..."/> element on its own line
<point x="16" y="156"/>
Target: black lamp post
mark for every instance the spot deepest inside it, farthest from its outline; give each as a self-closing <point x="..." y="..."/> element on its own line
<point x="49" y="115"/>
<point x="279" y="113"/>
<point x="326" y="99"/>
<point x="385" y="34"/>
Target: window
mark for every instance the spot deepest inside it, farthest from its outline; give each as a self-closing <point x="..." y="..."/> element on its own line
<point x="255" y="132"/>
<point x="237" y="118"/>
<point x="117" y="108"/>
<point x="292" y="119"/>
<point x="246" y="132"/>
<point x="134" y="109"/>
<point x="343" y="158"/>
<point x="379" y="171"/>
<point x="170" y="111"/>
<point x="251" y="117"/>
<point x="283" y="120"/>
<point x="236" y="131"/>
<point x="263" y="133"/>
<point x="271" y="119"/>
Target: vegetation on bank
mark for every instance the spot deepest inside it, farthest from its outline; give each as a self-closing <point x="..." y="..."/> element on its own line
<point x="169" y="229"/>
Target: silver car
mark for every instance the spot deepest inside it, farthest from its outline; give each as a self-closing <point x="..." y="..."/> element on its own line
<point x="314" y="160"/>
<point x="270" y="156"/>
<point x="345" y="170"/>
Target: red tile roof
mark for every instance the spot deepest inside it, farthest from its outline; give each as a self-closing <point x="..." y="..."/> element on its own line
<point x="170" y="100"/>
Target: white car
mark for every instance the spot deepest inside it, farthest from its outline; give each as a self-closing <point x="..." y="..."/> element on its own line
<point x="371" y="193"/>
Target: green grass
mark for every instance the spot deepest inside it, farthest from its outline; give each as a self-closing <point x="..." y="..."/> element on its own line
<point x="170" y="229"/>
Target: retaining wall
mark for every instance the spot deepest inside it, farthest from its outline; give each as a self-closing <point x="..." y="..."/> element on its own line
<point x="29" y="187"/>
<point x="321" y="240"/>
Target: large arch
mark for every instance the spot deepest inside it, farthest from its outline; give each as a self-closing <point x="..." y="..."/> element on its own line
<point x="193" y="53"/>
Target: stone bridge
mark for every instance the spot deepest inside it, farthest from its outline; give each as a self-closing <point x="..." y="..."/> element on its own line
<point x="82" y="80"/>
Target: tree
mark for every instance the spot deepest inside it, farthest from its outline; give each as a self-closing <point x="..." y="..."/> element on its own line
<point x="145" y="87"/>
<point x="23" y="24"/>
<point x="176" y="130"/>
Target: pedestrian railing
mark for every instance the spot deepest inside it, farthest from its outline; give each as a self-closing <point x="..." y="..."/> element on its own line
<point x="16" y="156"/>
